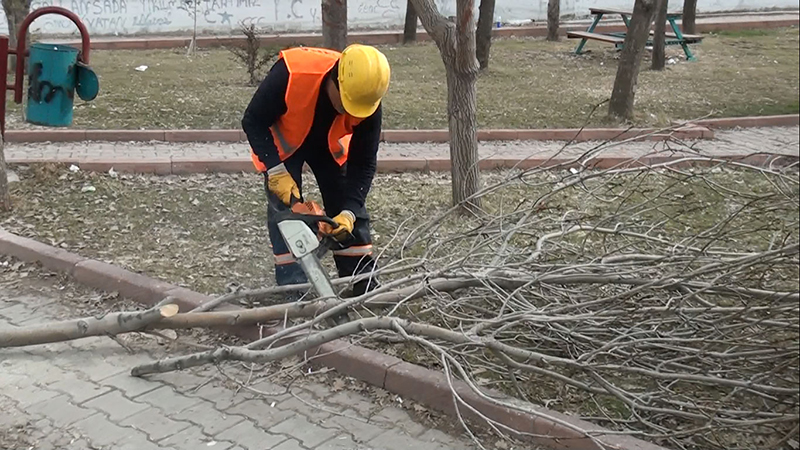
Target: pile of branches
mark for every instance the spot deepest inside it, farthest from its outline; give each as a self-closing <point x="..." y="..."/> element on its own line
<point x="659" y="300"/>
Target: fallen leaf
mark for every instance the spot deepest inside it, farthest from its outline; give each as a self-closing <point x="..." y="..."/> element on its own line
<point x="338" y="384"/>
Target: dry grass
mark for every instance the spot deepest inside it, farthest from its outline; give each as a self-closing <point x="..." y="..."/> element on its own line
<point x="206" y="231"/>
<point x="531" y="84"/>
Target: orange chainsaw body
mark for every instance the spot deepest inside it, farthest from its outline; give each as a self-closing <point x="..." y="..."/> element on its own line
<point x="311" y="207"/>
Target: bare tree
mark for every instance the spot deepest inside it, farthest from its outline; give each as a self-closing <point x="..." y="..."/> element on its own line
<point x="483" y="35"/>
<point x="334" y="24"/>
<point x="689" y="19"/>
<point x="16" y="11"/>
<point x="553" y="19"/>
<point x="456" y="43"/>
<point x="5" y="197"/>
<point x="251" y="55"/>
<point x="410" y="28"/>
<point x="659" y="50"/>
<point x="622" y="97"/>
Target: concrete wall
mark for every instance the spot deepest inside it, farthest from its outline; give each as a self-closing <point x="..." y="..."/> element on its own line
<point x="130" y="17"/>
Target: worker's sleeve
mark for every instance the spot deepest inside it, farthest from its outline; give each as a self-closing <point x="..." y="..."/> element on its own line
<point x="362" y="161"/>
<point x="266" y="106"/>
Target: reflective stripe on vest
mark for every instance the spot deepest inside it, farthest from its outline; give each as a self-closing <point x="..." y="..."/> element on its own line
<point x="308" y="68"/>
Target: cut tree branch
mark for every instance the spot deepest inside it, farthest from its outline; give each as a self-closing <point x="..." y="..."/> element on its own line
<point x="106" y="325"/>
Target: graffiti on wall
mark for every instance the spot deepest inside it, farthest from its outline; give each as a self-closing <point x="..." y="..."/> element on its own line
<point x="130" y="17"/>
<point x="123" y="17"/>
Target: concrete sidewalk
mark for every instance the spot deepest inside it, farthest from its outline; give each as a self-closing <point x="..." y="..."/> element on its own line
<point x="158" y="157"/>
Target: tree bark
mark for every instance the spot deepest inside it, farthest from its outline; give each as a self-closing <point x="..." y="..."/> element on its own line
<point x="334" y="24"/>
<point x="456" y="43"/>
<point x="462" y="100"/>
<point x="15" y="11"/>
<point x="553" y="19"/>
<point x="5" y="197"/>
<point x="659" y="50"/>
<point x="410" y="28"/>
<point x="688" y="25"/>
<point x="111" y="324"/>
<point x="622" y="97"/>
<point x="483" y="34"/>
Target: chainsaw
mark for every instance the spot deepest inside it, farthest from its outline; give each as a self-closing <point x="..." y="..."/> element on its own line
<point x="296" y="225"/>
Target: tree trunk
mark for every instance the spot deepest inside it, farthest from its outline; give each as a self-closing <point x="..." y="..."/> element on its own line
<point x="689" y="17"/>
<point x="456" y="43"/>
<point x="462" y="99"/>
<point x="16" y="11"/>
<point x="111" y="324"/>
<point x="334" y="24"/>
<point x="483" y="34"/>
<point x="5" y="197"/>
<point x="659" y="51"/>
<point x="553" y="19"/>
<point x="462" y="104"/>
<point x="410" y="29"/>
<point x="622" y="97"/>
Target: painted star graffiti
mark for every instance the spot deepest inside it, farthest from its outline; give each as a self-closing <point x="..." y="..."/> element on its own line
<point x="226" y="18"/>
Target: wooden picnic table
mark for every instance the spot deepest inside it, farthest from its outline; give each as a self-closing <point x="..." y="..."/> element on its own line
<point x="618" y="39"/>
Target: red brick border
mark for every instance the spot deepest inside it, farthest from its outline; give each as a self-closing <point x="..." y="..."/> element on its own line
<point x="787" y="120"/>
<point x="396" y="37"/>
<point x="381" y="370"/>
<point x="701" y="129"/>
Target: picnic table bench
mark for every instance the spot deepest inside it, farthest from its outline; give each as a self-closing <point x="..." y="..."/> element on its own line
<point x="618" y="39"/>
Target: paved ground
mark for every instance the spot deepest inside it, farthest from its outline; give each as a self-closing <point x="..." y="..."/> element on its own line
<point x="79" y="396"/>
<point x="779" y="140"/>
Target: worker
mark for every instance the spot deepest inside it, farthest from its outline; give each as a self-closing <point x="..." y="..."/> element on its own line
<point x="322" y="108"/>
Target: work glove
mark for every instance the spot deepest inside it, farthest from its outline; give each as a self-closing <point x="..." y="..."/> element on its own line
<point x="345" y="221"/>
<point x="282" y="184"/>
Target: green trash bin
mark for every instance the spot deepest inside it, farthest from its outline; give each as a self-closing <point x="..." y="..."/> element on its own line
<point x="52" y="77"/>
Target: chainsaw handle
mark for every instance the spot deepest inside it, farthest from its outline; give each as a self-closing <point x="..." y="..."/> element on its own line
<point x="308" y="219"/>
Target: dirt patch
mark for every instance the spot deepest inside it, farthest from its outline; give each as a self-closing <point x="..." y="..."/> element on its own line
<point x="208" y="232"/>
<point x="15" y="437"/>
<point x="531" y="83"/>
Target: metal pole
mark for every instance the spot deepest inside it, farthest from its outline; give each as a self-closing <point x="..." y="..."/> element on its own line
<point x="4" y="79"/>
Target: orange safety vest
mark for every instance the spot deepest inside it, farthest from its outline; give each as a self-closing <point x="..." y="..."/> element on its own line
<point x="307" y="69"/>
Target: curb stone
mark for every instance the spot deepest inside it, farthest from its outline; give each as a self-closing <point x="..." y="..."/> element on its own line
<point x="786" y="120"/>
<point x="387" y="372"/>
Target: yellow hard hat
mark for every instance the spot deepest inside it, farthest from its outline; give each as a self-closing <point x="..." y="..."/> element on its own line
<point x="363" y="79"/>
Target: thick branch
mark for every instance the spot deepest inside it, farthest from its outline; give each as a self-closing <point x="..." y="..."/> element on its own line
<point x="434" y="23"/>
<point x="108" y="325"/>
